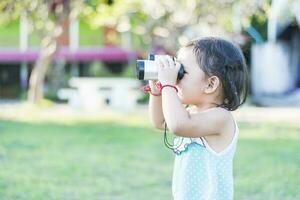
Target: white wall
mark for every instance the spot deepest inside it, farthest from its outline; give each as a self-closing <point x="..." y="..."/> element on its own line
<point x="271" y="73"/>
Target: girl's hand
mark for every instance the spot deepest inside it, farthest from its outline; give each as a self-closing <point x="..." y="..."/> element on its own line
<point x="154" y="89"/>
<point x="167" y="70"/>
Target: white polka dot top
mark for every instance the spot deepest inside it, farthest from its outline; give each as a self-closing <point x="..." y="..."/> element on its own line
<point x="200" y="173"/>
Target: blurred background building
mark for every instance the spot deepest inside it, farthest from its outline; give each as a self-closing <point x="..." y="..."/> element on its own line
<point x="43" y="45"/>
<point x="275" y="73"/>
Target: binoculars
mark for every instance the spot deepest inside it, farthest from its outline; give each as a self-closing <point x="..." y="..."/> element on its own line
<point x="148" y="69"/>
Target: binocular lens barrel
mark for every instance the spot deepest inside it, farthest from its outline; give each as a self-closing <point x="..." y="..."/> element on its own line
<point x="148" y="69"/>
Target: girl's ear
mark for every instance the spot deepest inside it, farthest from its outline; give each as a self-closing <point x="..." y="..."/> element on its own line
<point x="212" y="84"/>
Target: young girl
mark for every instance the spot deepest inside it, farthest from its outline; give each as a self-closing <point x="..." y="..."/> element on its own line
<point x="214" y="84"/>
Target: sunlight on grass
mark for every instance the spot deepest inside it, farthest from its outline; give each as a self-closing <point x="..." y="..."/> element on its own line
<point x="270" y="131"/>
<point x="46" y="112"/>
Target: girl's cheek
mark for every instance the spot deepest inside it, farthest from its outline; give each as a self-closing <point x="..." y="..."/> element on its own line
<point x="181" y="88"/>
<point x="179" y="85"/>
<point x="179" y="91"/>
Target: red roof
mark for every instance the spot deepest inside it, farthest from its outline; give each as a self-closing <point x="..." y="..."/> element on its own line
<point x="107" y="53"/>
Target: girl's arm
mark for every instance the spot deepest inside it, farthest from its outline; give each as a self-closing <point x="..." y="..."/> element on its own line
<point x="181" y="123"/>
<point x="155" y="108"/>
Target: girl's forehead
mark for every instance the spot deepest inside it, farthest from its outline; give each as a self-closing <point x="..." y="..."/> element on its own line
<point x="181" y="53"/>
<point x="186" y="54"/>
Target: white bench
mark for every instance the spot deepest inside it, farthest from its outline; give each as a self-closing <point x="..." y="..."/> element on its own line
<point x="93" y="93"/>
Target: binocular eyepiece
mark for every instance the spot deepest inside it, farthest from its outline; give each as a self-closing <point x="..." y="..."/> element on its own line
<point x="148" y="69"/>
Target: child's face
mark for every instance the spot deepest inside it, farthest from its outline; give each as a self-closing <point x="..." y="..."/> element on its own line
<point x="191" y="87"/>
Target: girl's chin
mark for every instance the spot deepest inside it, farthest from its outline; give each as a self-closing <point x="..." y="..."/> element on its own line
<point x="182" y="99"/>
<point x="185" y="100"/>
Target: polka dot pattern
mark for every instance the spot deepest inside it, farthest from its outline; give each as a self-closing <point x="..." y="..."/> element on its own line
<point x="202" y="175"/>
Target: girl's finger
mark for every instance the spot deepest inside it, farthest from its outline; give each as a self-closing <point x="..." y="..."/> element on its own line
<point x="159" y="63"/>
<point x="170" y="61"/>
<point x="165" y="62"/>
<point x="177" y="65"/>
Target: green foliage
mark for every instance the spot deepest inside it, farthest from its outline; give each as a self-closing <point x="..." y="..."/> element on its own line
<point x="9" y="34"/>
<point x="259" y="20"/>
<point x="147" y="20"/>
<point x="144" y="20"/>
<point x="144" y="98"/>
<point x="101" y="69"/>
<point x="88" y="35"/>
<point x="98" y="69"/>
<point x="129" y="71"/>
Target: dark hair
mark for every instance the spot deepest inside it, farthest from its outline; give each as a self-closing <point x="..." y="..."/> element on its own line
<point x="218" y="57"/>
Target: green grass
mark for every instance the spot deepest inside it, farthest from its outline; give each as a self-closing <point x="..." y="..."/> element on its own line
<point x="120" y="159"/>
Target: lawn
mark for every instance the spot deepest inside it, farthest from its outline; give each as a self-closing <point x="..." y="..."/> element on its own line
<point x="123" y="158"/>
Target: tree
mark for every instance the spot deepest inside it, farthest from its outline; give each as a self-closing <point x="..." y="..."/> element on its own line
<point x="168" y="22"/>
<point x="46" y="18"/>
<point x="165" y="23"/>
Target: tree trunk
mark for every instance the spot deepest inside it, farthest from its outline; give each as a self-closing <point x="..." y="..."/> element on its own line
<point x="49" y="46"/>
<point x="37" y="77"/>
